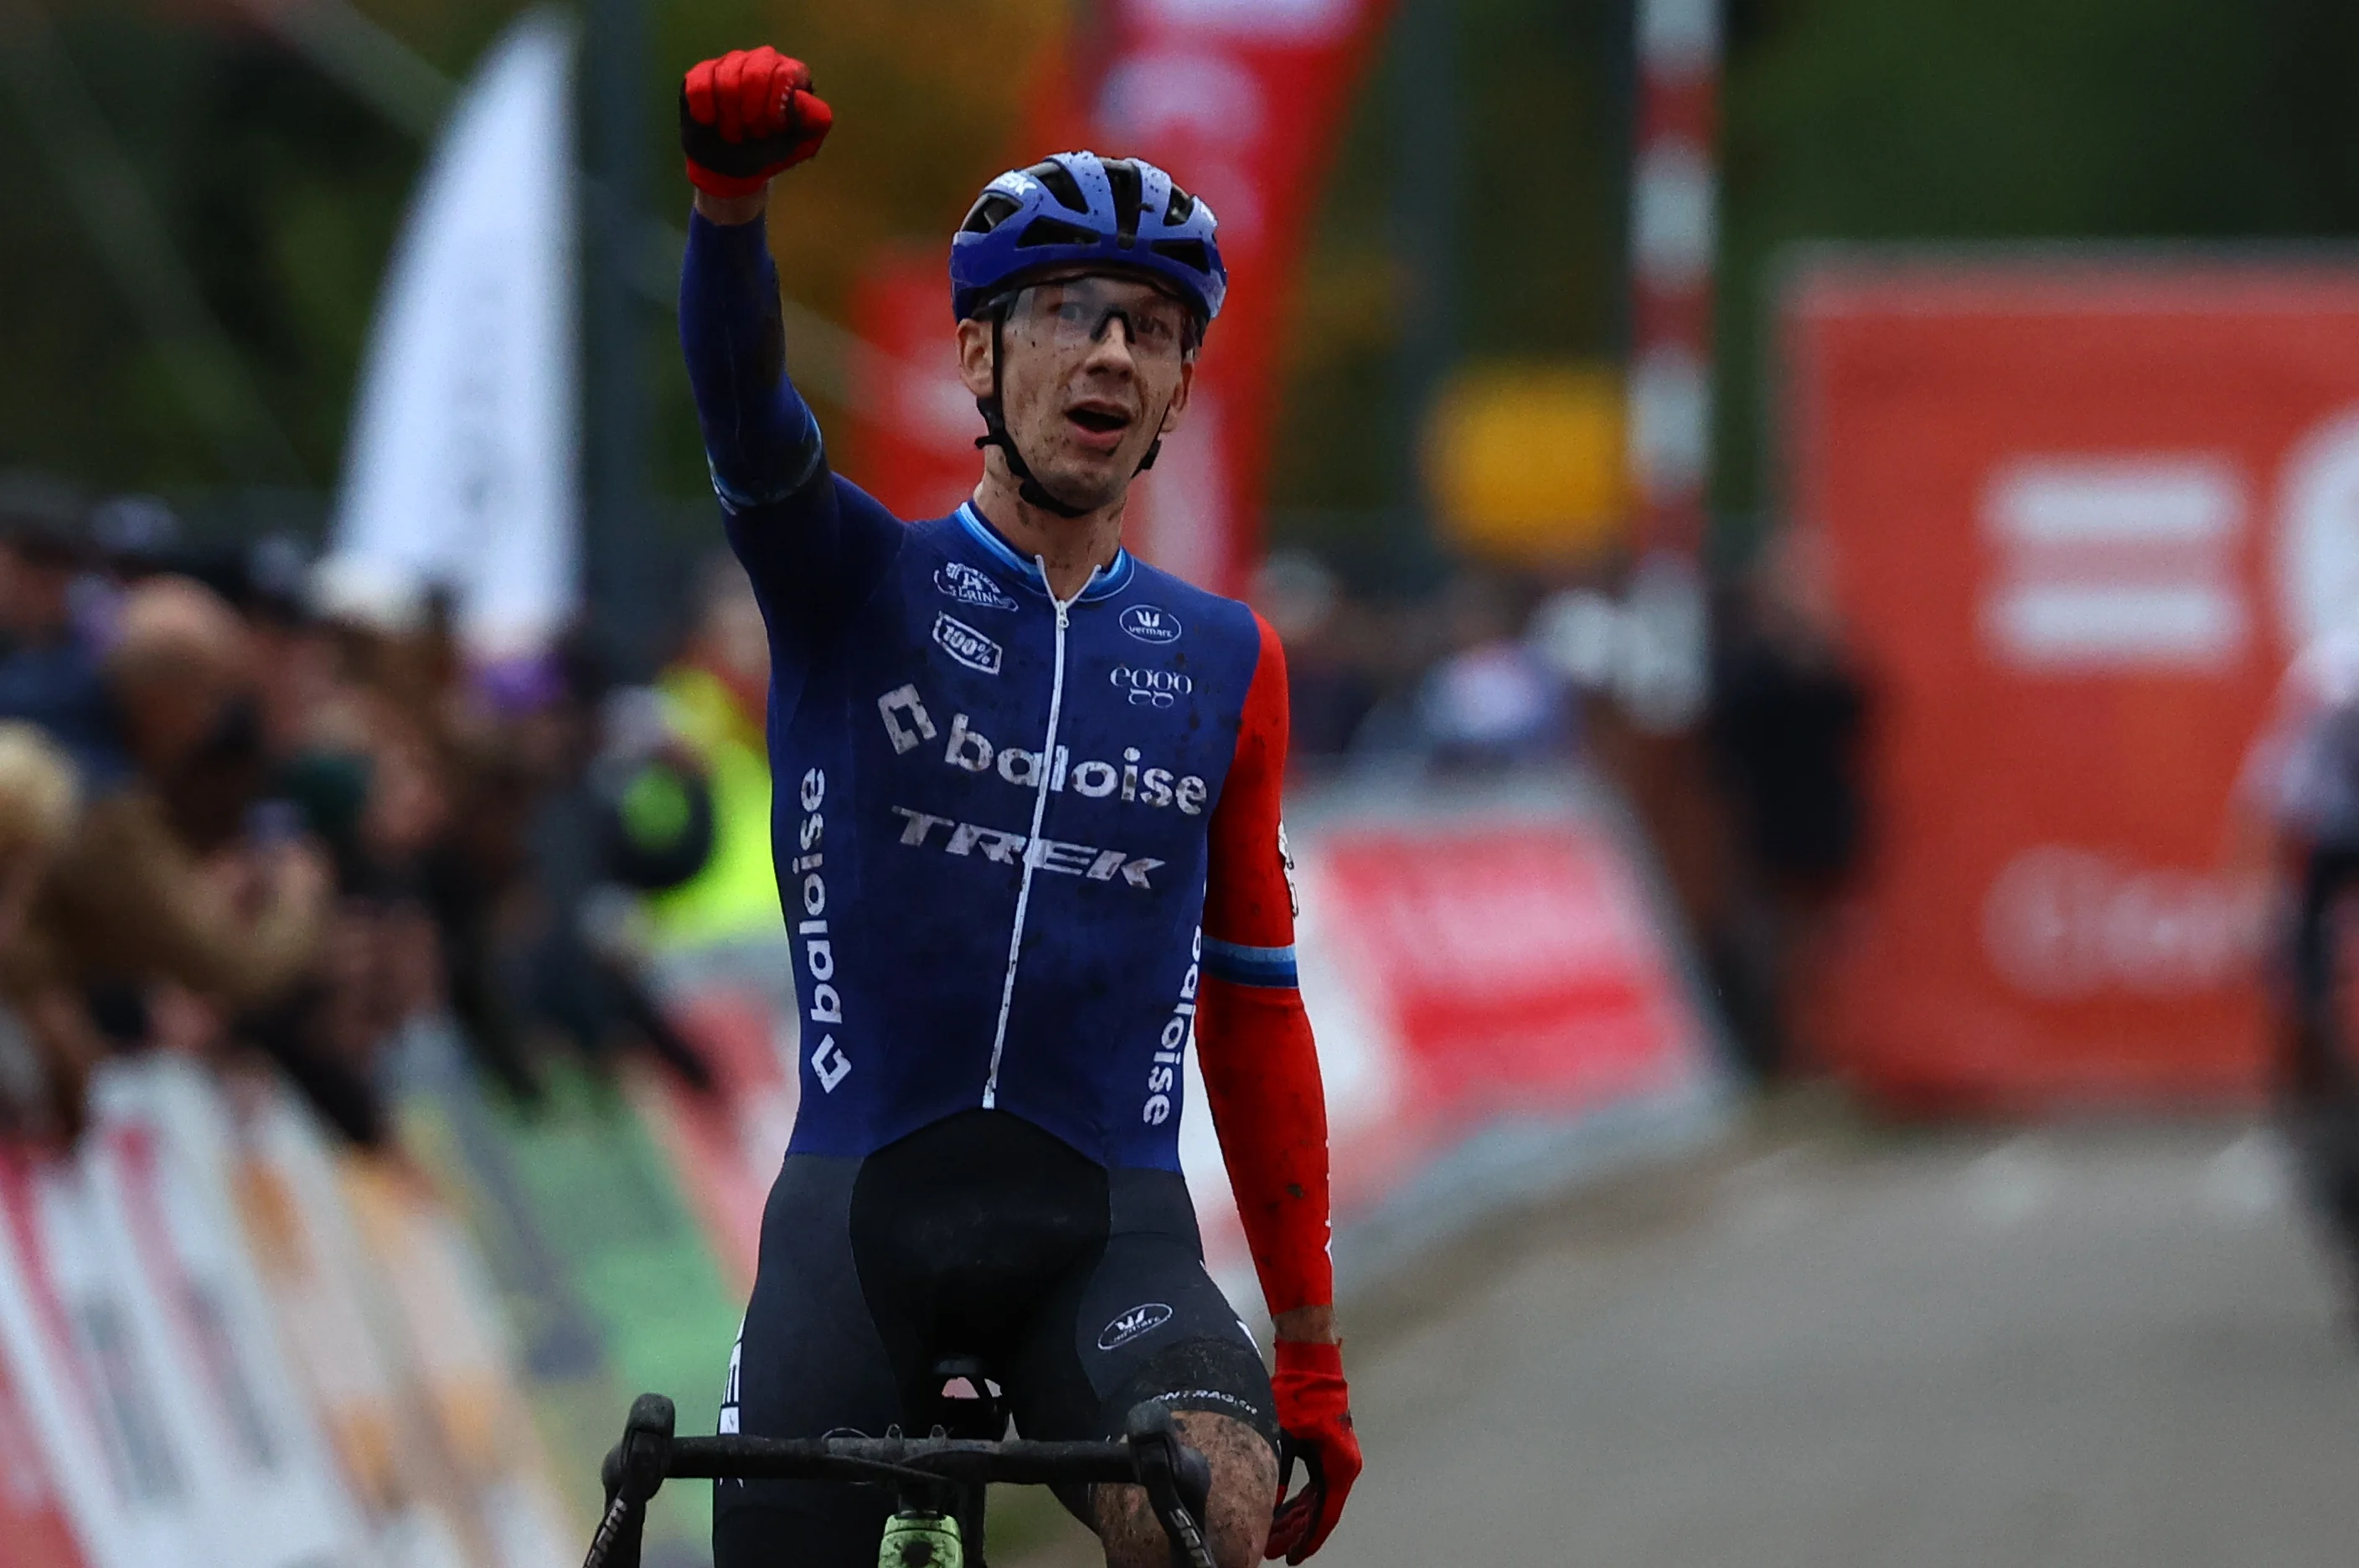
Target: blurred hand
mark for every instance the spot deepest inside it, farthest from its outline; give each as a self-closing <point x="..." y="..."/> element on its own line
<point x="748" y="116"/>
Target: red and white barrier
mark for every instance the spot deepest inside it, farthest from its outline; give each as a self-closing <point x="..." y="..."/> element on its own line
<point x="222" y="1345"/>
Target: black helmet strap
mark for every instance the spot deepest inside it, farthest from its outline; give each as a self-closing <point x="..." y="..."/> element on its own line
<point x="1029" y="488"/>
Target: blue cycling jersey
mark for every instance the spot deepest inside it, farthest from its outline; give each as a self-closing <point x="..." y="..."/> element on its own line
<point x="992" y="809"/>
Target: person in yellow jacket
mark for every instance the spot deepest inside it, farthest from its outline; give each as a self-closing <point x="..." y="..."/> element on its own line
<point x="715" y="697"/>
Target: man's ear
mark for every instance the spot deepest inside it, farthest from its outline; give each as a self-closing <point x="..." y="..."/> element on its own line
<point x="975" y="357"/>
<point x="1179" y="398"/>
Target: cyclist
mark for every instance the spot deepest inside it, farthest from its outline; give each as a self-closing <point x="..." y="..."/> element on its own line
<point x="2300" y="786"/>
<point x="1027" y="836"/>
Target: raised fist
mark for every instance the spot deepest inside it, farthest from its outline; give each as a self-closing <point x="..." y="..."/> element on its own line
<point x="745" y="117"/>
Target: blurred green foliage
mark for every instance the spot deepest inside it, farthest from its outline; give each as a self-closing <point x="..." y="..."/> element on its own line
<point x="1934" y="120"/>
<point x="282" y="193"/>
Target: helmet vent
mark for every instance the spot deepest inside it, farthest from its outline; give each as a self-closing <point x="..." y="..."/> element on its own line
<point x="1122" y="174"/>
<point x="1052" y="231"/>
<point x="1062" y="185"/>
<point x="1187" y="253"/>
<point x="989" y="213"/>
<point x="1179" y="210"/>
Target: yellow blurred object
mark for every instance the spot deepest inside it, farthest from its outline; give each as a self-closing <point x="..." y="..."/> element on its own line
<point x="1527" y="462"/>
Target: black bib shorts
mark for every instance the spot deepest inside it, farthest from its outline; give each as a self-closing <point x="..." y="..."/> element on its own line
<point x="1080" y="1291"/>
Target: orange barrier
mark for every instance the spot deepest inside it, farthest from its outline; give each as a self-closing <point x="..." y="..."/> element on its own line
<point x="2080" y="514"/>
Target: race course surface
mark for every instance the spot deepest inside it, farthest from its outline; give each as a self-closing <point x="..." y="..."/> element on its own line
<point x="2075" y="1349"/>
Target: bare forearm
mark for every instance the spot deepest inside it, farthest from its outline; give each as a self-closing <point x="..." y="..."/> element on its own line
<point x="1310" y="1325"/>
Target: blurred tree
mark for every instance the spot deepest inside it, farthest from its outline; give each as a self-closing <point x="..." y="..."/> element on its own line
<point x="276" y="193"/>
<point x="1847" y="119"/>
<point x="282" y="194"/>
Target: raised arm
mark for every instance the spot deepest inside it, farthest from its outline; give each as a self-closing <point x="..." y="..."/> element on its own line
<point x="1269" y="1107"/>
<point x="810" y="544"/>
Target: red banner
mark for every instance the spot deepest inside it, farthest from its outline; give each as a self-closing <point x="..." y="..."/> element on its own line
<point x="1240" y="99"/>
<point x="2079" y="516"/>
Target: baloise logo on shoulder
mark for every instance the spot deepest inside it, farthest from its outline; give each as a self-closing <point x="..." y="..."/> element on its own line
<point x="1150" y="623"/>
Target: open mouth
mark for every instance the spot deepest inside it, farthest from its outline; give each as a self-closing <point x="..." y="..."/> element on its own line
<point x="1099" y="419"/>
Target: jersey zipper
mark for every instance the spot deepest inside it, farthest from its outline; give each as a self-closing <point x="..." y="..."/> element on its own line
<point x="1039" y="815"/>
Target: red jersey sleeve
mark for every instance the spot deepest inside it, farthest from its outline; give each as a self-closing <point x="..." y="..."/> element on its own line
<point x="1252" y="1038"/>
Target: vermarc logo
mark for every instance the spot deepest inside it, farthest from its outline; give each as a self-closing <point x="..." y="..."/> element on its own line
<point x="1140" y="1320"/>
<point x="1150" y="688"/>
<point x="1150" y="623"/>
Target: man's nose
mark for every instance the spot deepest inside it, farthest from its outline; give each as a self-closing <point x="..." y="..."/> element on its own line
<point x="1113" y="342"/>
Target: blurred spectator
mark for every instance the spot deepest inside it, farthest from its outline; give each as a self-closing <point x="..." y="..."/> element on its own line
<point x="713" y="700"/>
<point x="53" y="1044"/>
<point x="1491" y="701"/>
<point x="138" y="895"/>
<point x="49" y="652"/>
<point x="1331" y="689"/>
<point x="584" y="973"/>
<point x="1788" y="716"/>
<point x="1784" y="725"/>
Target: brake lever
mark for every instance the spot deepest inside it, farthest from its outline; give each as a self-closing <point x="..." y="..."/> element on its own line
<point x="1178" y="1479"/>
<point x="633" y="1473"/>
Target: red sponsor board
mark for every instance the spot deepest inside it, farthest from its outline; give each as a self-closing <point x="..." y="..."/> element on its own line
<point x="2079" y="516"/>
<point x="1517" y="963"/>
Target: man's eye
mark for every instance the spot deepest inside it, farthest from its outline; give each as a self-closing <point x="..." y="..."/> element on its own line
<point x="1070" y="310"/>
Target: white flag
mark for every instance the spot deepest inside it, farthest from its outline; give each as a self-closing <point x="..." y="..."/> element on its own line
<point x="462" y="468"/>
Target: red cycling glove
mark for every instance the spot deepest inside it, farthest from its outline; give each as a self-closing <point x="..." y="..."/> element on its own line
<point x="745" y="117"/>
<point x="1314" y="1414"/>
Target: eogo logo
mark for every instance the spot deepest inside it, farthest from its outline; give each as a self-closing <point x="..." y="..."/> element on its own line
<point x="1150" y="688"/>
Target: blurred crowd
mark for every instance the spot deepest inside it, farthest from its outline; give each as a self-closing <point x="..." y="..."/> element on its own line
<point x="263" y="810"/>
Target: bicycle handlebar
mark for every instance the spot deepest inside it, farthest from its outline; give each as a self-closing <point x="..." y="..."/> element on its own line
<point x="1150" y="1455"/>
<point x="957" y="1460"/>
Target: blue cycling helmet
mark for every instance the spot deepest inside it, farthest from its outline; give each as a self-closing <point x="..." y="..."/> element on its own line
<point x="1077" y="209"/>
